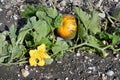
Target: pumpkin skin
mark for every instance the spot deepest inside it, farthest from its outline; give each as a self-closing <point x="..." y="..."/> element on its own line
<point x="68" y="27"/>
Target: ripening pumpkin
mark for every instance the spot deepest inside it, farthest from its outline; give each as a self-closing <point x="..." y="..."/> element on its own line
<point x="68" y="27"/>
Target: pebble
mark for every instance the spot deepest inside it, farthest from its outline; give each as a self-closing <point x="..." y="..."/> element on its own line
<point x="9" y="13"/>
<point x="109" y="73"/>
<point x="15" y="17"/>
<point x="1" y="24"/>
<point x="25" y="72"/>
<point x="63" y="3"/>
<point x="1" y="9"/>
<point x="18" y="75"/>
<point x="2" y="1"/>
<point x="104" y="77"/>
<point x="116" y="0"/>
<point x="59" y="62"/>
<point x="92" y="68"/>
<point x="66" y="78"/>
<point x="78" y="53"/>
<point x="102" y="15"/>
<point x="26" y="67"/>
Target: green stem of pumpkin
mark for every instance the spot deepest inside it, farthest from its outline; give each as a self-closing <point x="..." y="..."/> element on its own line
<point x="90" y="45"/>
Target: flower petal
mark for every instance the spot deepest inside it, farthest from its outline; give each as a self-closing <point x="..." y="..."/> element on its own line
<point x="41" y="48"/>
<point x="32" y="61"/>
<point x="33" y="53"/>
<point x="45" y="55"/>
<point x="41" y="62"/>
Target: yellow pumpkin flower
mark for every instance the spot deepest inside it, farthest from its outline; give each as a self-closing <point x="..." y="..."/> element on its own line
<point x="38" y="56"/>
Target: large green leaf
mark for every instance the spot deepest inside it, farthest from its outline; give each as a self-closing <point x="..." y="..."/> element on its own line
<point x="59" y="46"/>
<point x="90" y="21"/>
<point x="41" y="28"/>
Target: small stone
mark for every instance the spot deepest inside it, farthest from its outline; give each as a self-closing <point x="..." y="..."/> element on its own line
<point x="66" y="78"/>
<point x="1" y="24"/>
<point x="102" y="15"/>
<point x="1" y="9"/>
<point x="9" y="13"/>
<point x="2" y="1"/>
<point x="92" y="68"/>
<point x="117" y="55"/>
<point x="116" y="0"/>
<point x="36" y="71"/>
<point x="18" y="75"/>
<point x="63" y="3"/>
<point x="109" y="73"/>
<point x="26" y="67"/>
<point x="15" y="17"/>
<point x="104" y="77"/>
<point x="89" y="72"/>
<point x="59" y="62"/>
<point x="25" y="72"/>
<point x="78" y="53"/>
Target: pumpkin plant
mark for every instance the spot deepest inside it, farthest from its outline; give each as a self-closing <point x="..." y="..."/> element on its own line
<point x="24" y="44"/>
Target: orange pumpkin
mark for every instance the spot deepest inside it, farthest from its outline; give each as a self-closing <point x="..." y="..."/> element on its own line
<point x="68" y="27"/>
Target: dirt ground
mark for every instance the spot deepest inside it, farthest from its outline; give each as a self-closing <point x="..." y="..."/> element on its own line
<point x="82" y="65"/>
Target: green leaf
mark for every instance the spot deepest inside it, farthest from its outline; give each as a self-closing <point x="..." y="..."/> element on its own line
<point x="41" y="28"/>
<point x="52" y="12"/>
<point x="3" y="41"/>
<point x="22" y="33"/>
<point x="29" y="11"/>
<point x="107" y="36"/>
<point x="18" y="51"/>
<point x="90" y="21"/>
<point x="42" y="15"/>
<point x="33" y="21"/>
<point x="12" y="34"/>
<point x="46" y="41"/>
<point x="115" y="39"/>
<point x="60" y="46"/>
<point x="82" y="33"/>
<point x="58" y="55"/>
<point x="94" y="26"/>
<point x="48" y="60"/>
<point x="5" y="50"/>
<point x="2" y="59"/>
<point x="58" y="20"/>
<point x="94" y="41"/>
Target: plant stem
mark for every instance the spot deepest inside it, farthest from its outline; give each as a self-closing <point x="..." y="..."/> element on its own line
<point x="8" y="64"/>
